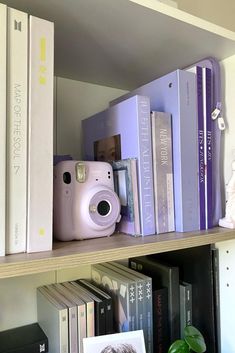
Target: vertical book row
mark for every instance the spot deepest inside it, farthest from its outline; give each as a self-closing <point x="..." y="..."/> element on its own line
<point x="26" y="120"/>
<point x="166" y="127"/>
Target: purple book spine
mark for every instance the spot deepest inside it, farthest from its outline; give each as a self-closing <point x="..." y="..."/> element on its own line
<point x="208" y="82"/>
<point x="201" y="166"/>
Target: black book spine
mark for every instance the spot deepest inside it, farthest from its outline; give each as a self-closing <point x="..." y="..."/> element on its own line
<point x="99" y="309"/>
<point x="99" y="318"/>
<point x="160" y="321"/>
<point x="107" y="308"/>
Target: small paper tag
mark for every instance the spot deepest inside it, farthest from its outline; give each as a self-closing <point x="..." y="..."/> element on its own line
<point x="215" y="114"/>
<point x="221" y="123"/>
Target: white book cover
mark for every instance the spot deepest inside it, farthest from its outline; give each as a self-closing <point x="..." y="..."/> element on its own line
<point x="3" y="55"/>
<point x="55" y="291"/>
<point x="17" y="78"/>
<point x="81" y="314"/>
<point x="40" y="135"/>
<point x="52" y="316"/>
<point x="90" y="308"/>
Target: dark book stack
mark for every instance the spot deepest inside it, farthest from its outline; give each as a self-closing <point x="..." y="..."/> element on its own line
<point x="104" y="307"/>
<point x="132" y="298"/>
<point x="24" y="339"/>
<point x="196" y="267"/>
<point x="166" y="309"/>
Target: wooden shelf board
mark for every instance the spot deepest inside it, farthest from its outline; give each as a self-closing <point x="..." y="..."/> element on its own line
<point x="116" y="247"/>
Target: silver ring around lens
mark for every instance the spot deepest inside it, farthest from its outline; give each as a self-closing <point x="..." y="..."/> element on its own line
<point x="107" y="207"/>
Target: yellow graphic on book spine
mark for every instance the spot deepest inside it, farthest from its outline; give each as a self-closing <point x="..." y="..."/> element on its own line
<point x="42" y="67"/>
<point x="41" y="232"/>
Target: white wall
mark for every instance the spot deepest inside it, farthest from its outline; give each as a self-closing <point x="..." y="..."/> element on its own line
<point x="75" y="101"/>
<point x="228" y="91"/>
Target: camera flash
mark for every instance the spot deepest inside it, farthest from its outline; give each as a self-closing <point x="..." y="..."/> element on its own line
<point x="80" y="170"/>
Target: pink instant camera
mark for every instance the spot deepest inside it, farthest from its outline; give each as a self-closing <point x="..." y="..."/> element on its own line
<point x="85" y="204"/>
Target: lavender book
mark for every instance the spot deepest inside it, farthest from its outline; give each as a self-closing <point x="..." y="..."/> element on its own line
<point x="120" y="132"/>
<point x="176" y="93"/>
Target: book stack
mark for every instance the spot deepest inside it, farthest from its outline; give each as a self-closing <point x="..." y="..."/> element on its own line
<point x="148" y="295"/>
<point x="166" y="126"/>
<point x="26" y="116"/>
<point x="175" y="93"/>
<point x="132" y="297"/>
<point x="71" y="311"/>
<point x="172" y="300"/>
<point x="139" y="149"/>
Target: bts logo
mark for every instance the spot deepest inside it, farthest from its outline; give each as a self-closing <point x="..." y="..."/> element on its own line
<point x="17" y="26"/>
<point x="42" y="347"/>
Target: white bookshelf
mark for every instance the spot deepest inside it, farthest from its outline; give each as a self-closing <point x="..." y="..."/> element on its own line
<point x="122" y="44"/>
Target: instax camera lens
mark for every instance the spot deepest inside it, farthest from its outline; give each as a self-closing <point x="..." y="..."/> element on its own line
<point x="103" y="208"/>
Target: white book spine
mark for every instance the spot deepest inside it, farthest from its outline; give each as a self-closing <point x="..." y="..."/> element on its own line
<point x="53" y="318"/>
<point x="81" y="326"/>
<point x="3" y="55"/>
<point x="17" y="78"/>
<point x="163" y="172"/>
<point x="40" y="135"/>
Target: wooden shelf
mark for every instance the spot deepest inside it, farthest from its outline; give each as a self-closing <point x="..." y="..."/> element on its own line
<point x="123" y="43"/>
<point x="116" y="247"/>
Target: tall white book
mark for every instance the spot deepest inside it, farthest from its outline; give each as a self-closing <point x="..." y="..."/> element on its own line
<point x="3" y="55"/>
<point x="40" y="135"/>
<point x="17" y="88"/>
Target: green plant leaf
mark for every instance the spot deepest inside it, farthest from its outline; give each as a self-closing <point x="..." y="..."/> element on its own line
<point x="179" y="346"/>
<point x="194" y="339"/>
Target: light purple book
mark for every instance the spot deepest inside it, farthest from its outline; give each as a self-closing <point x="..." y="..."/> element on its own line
<point x="201" y="145"/>
<point x="201" y="149"/>
<point x="120" y="132"/>
<point x="176" y="93"/>
<point x="207" y="104"/>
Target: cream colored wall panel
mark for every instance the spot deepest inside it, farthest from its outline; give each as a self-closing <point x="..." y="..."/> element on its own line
<point x="228" y="89"/>
<point x="76" y="101"/>
<point x="73" y="274"/>
<point x="227" y="294"/>
<point x="18" y="305"/>
<point x="216" y="11"/>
